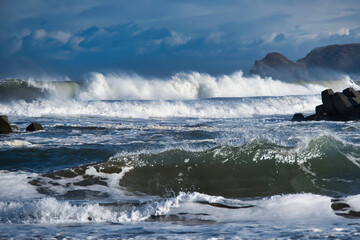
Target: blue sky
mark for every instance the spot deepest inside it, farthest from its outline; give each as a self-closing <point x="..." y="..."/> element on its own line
<point x="162" y="37"/>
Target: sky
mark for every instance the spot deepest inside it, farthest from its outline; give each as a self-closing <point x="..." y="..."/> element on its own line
<point x="162" y="37"/>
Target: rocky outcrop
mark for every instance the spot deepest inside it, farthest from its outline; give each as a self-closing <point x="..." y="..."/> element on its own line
<point x="321" y="63"/>
<point x="337" y="106"/>
<point x="4" y="125"/>
<point x="34" y="127"/>
<point x="279" y="67"/>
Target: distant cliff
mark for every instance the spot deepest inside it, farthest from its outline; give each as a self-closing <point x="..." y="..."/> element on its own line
<point x="320" y="63"/>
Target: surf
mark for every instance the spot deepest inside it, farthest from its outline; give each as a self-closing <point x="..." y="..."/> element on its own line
<point x="180" y="86"/>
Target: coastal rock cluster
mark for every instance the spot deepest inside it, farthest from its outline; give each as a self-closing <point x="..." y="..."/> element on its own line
<point x="338" y="106"/>
<point x="6" y="127"/>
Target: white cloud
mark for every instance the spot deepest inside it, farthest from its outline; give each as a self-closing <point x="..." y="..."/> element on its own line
<point x="40" y="34"/>
<point x="343" y="31"/>
<point x="177" y="39"/>
<point x="61" y="36"/>
<point x="215" y="37"/>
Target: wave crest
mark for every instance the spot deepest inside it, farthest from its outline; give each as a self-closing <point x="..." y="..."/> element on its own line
<point x="181" y="86"/>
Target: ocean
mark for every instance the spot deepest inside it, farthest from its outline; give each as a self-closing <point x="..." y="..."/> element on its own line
<point x="190" y="157"/>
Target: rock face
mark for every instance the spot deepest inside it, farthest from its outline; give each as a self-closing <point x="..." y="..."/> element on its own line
<point x="337" y="106"/>
<point x="4" y="125"/>
<point x="320" y="63"/>
<point x="34" y="127"/>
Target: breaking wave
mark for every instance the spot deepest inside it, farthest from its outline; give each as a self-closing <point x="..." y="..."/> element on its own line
<point x="207" y="108"/>
<point x="181" y="86"/>
<point x="188" y="208"/>
<point x="258" y="168"/>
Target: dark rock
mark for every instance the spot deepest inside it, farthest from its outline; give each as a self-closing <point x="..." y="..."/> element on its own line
<point x="34" y="127"/>
<point x="351" y="93"/>
<point x="5" y="118"/>
<point x="336" y="107"/>
<point x="355" y="113"/>
<point x="298" y="117"/>
<point x="339" y="206"/>
<point x="320" y="111"/>
<point x="342" y="103"/>
<point x="4" y="126"/>
<point x="326" y="97"/>
<point x="312" y="117"/>
<point x="277" y="66"/>
<point x="320" y="64"/>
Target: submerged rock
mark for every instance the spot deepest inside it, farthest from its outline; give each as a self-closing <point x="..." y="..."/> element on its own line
<point x="34" y="127"/>
<point x="4" y="125"/>
<point x="337" y="106"/>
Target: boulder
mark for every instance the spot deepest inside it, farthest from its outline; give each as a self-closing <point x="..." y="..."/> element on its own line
<point x="355" y="113"/>
<point x="351" y="93"/>
<point x="298" y="117"/>
<point x="5" y="118"/>
<point x="342" y="103"/>
<point x="34" y="127"/>
<point x="320" y="111"/>
<point x="326" y="97"/>
<point x="4" y="126"/>
<point x="312" y="117"/>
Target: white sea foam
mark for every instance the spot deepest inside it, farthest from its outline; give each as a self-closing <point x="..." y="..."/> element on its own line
<point x="14" y="185"/>
<point x="215" y="108"/>
<point x="181" y="86"/>
<point x="196" y="85"/>
<point x="292" y="207"/>
<point x="300" y="208"/>
<point x="16" y="143"/>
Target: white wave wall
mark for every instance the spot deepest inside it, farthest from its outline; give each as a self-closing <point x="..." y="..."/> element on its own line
<point x="194" y="85"/>
<point x="215" y="108"/>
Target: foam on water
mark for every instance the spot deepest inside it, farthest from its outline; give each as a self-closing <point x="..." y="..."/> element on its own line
<point x="16" y="143"/>
<point x="216" y="108"/>
<point x="300" y="208"/>
<point x="14" y="185"/>
<point x="195" y="85"/>
<point x="181" y="86"/>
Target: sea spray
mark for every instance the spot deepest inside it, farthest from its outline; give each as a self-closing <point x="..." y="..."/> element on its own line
<point x="207" y="108"/>
<point x="181" y="86"/>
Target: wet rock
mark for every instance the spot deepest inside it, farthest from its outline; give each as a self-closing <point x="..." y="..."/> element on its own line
<point x="5" y="118"/>
<point x="4" y="125"/>
<point x="34" y="127"/>
<point x="355" y="113"/>
<point x="342" y="103"/>
<point x="320" y="111"/>
<point x="351" y="93"/>
<point x="298" y="117"/>
<point x="337" y="106"/>
<point x="312" y="117"/>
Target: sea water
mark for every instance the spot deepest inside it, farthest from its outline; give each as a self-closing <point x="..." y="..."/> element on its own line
<point x="192" y="157"/>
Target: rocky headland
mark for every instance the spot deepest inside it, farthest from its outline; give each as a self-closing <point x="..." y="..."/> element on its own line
<point x="319" y="64"/>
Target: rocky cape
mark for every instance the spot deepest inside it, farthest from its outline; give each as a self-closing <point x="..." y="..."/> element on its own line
<point x="320" y="64"/>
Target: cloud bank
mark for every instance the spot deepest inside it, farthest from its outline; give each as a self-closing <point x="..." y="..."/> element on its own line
<point x="161" y="37"/>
